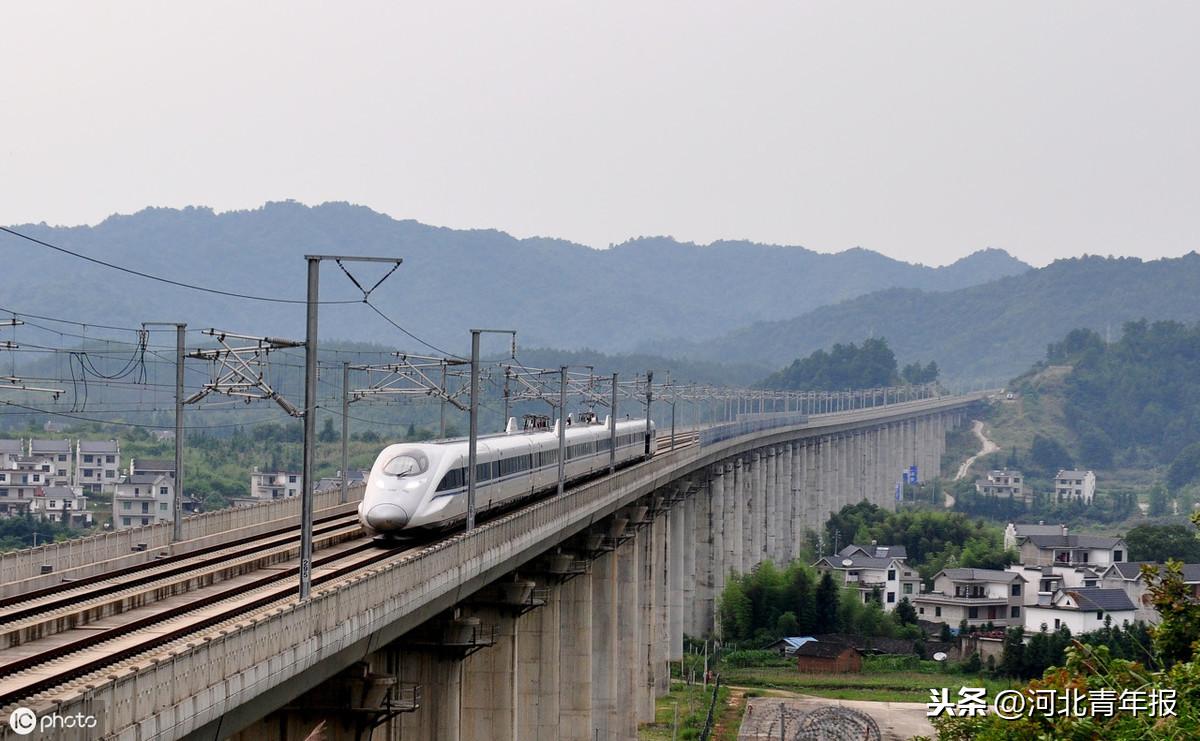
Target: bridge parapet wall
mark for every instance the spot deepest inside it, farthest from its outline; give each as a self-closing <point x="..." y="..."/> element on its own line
<point x="20" y="571"/>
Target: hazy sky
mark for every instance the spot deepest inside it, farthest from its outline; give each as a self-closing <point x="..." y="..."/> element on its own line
<point x="922" y="130"/>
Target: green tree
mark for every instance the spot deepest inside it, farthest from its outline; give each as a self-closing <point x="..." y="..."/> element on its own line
<point x="1158" y="500"/>
<point x="1049" y="455"/>
<point x="327" y="433"/>
<point x="1160" y="543"/>
<point x="905" y="612"/>
<point x="1185" y="468"/>
<point x="826" y="605"/>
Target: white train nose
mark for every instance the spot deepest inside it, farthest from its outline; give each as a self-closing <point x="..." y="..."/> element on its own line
<point x="386" y="516"/>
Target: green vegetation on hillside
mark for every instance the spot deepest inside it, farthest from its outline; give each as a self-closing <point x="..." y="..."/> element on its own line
<point x="933" y="540"/>
<point x="851" y="366"/>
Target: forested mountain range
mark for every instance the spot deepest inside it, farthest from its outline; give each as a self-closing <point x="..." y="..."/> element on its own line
<point x="556" y="293"/>
<point x="989" y="332"/>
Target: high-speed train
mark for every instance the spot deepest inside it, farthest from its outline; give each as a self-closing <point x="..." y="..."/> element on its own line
<point x="424" y="485"/>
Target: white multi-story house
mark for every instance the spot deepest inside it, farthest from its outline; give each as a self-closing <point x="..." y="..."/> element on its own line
<point x="978" y="596"/>
<point x="1081" y="609"/>
<point x="151" y="467"/>
<point x="1049" y="579"/>
<point x="886" y="575"/>
<point x="57" y="455"/>
<point x="1016" y="530"/>
<point x="23" y="479"/>
<point x="1002" y="483"/>
<point x="97" y="465"/>
<point x="1075" y="486"/>
<point x="1127" y="576"/>
<point x="63" y="504"/>
<point x="10" y="450"/>
<point x="1064" y="549"/>
<point x="143" y="500"/>
<point x="266" y="485"/>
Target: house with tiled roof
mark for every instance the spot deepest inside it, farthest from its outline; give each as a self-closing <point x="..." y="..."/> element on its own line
<point x="1082" y="609"/>
<point x="888" y="576"/>
<point x="1127" y="576"/>
<point x="978" y="596"/>
<point x="1067" y="549"/>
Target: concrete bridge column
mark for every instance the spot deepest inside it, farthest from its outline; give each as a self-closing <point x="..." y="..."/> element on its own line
<point x="646" y="635"/>
<point x="538" y="662"/>
<point x="789" y="529"/>
<point x="735" y="501"/>
<point x="802" y="485"/>
<point x="629" y="641"/>
<point x="816" y="478"/>
<point x="661" y="641"/>
<point x="440" y="676"/>
<point x="575" y="653"/>
<point x="838" y="468"/>
<point x="753" y="523"/>
<point x="677" y="529"/>
<point x="693" y="543"/>
<point x="489" y="685"/>
<point x="702" y="534"/>
<point x="862" y="485"/>
<point x="717" y="568"/>
<point x="604" y="645"/>
<point x="771" y="507"/>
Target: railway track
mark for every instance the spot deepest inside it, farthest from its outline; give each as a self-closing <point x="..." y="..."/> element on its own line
<point x="52" y="636"/>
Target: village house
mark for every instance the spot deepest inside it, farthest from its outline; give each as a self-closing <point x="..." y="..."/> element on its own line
<point x="884" y="575"/>
<point x="142" y="500"/>
<point x="266" y="486"/>
<point x="820" y="656"/>
<point x="1127" y="576"/>
<point x="62" y="504"/>
<point x="1082" y="609"/>
<point x="1070" y="550"/>
<point x="1002" y="483"/>
<point x="978" y="596"/>
<point x="1075" y="486"/>
<point x="97" y="465"/>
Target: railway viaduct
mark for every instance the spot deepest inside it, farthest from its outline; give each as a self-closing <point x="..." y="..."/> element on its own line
<point x="554" y="621"/>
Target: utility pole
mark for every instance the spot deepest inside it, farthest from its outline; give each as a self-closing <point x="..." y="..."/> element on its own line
<point x="180" y="354"/>
<point x="612" y="428"/>
<point x="310" y="399"/>
<point x="345" y="494"/>
<point x="649" y="400"/>
<point x="473" y="435"/>
<point x="442" y="427"/>
<point x="310" y="426"/>
<point x="562" y="428"/>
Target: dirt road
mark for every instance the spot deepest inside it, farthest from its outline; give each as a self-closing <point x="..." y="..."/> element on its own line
<point x="986" y="447"/>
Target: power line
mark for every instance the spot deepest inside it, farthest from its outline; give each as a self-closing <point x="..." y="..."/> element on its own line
<point x="389" y="320"/>
<point x="82" y="418"/>
<point x="160" y="279"/>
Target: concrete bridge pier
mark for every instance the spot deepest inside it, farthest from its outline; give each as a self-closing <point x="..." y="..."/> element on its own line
<point x="575" y="655"/>
<point x="736" y="501"/>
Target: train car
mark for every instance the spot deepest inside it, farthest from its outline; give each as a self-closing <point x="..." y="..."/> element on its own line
<point x="424" y="485"/>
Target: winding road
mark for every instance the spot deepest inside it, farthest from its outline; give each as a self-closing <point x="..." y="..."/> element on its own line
<point x="986" y="447"/>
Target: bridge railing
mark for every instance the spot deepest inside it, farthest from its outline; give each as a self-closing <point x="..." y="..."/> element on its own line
<point x="139" y="544"/>
<point x="748" y="424"/>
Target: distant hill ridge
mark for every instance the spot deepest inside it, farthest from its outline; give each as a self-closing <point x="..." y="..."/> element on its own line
<point x="992" y="331"/>
<point x="555" y="292"/>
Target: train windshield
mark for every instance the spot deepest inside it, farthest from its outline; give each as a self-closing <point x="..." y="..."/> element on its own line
<point x="404" y="465"/>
